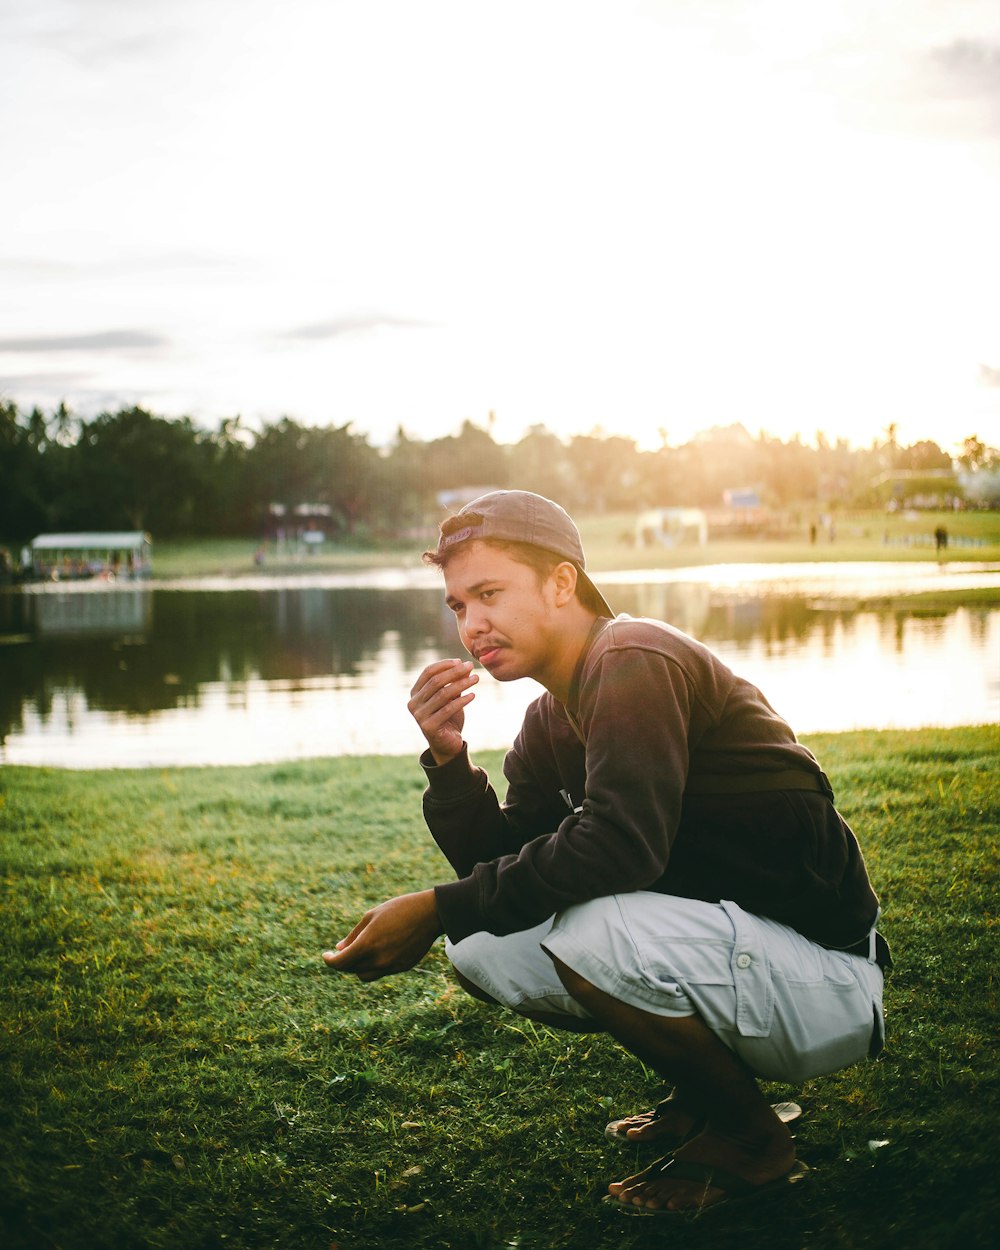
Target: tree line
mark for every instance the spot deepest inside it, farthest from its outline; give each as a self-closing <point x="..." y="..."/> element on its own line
<point x="132" y="469"/>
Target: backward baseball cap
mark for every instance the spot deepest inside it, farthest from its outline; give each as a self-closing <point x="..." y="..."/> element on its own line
<point x="520" y="516"/>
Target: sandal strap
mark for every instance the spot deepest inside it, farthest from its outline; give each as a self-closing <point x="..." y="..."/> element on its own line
<point x="708" y="1174"/>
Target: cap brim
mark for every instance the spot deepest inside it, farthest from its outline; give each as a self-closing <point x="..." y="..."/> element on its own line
<point x="583" y="577"/>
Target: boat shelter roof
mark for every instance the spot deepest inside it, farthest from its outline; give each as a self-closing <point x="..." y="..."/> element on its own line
<point x="112" y="540"/>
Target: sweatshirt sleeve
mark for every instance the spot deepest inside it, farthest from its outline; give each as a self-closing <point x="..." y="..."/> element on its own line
<point x="635" y="711"/>
<point x="466" y="819"/>
<point x="462" y="812"/>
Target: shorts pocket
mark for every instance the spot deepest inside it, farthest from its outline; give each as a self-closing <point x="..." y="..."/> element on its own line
<point x="751" y="972"/>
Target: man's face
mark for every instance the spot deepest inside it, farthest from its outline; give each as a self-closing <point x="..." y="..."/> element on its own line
<point x="507" y="618"/>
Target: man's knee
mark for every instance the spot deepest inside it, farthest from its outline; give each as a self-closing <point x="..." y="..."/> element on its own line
<point x="596" y="1002"/>
<point x="578" y="987"/>
<point x="472" y="988"/>
<point x="552" y="1019"/>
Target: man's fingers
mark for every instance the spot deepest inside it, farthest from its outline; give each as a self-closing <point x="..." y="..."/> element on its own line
<point x="356" y="953"/>
<point x="439" y="699"/>
<point x="441" y="709"/>
<point x="434" y="682"/>
<point x="358" y="929"/>
<point x="389" y="938"/>
<point x="365" y="965"/>
<point x="432" y="671"/>
<point x="346" y="952"/>
<point x="428" y="681"/>
<point x="447" y="714"/>
<point x="346" y="957"/>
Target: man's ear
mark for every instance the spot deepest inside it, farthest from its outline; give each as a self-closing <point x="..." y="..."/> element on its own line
<point x="564" y="577"/>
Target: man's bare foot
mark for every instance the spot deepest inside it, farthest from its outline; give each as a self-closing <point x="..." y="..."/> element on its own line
<point x="755" y="1162"/>
<point x="669" y="1120"/>
<point x="675" y="1123"/>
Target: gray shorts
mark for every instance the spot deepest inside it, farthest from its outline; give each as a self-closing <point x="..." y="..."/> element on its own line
<point x="790" y="1009"/>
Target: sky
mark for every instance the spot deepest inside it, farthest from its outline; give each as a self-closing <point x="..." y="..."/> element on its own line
<point x="639" y="217"/>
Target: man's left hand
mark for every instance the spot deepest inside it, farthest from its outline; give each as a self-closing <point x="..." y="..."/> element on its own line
<point x="390" y="938"/>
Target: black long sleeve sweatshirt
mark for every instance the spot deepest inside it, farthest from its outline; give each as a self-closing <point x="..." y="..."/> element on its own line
<point x="634" y="785"/>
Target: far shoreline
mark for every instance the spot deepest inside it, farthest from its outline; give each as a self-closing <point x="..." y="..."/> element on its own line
<point x="609" y="542"/>
<point x="844" y="580"/>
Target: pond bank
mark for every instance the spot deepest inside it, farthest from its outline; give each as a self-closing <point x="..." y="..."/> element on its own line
<point x="609" y="543"/>
<point x="863" y="581"/>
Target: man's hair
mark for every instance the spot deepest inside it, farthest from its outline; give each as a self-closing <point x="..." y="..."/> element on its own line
<point x="540" y="559"/>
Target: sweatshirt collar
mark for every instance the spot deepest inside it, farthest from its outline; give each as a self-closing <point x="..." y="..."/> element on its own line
<point x="598" y="628"/>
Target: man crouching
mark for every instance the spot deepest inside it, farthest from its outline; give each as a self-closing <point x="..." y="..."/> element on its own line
<point x="667" y="866"/>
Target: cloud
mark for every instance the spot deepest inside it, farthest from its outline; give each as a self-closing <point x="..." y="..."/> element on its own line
<point x="353" y="325"/>
<point x="33" y="268"/>
<point x="57" y="378"/>
<point x="969" y="68"/>
<point x="102" y="341"/>
<point x="953" y="89"/>
<point x="102" y="32"/>
<point x="125" y="265"/>
<point x="918" y="68"/>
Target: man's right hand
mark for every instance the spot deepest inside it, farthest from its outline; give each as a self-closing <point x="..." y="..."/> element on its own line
<point x="437" y="703"/>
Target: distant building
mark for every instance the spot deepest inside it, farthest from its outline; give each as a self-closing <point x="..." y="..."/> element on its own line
<point x="114" y="555"/>
<point x="309" y="523"/>
<point x="742" y="499"/>
<point x="743" y="514"/>
<point x="667" y="527"/>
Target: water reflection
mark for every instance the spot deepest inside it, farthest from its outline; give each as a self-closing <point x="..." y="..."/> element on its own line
<point x="159" y="676"/>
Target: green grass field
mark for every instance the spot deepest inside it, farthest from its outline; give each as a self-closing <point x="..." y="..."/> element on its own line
<point x="862" y="536"/>
<point x="180" y="1070"/>
<point x="609" y="544"/>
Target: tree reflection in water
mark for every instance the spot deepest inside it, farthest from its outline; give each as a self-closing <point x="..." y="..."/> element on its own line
<point x="74" y="664"/>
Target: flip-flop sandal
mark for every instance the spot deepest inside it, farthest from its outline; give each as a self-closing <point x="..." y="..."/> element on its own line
<point x="615" y="1131"/>
<point x="736" y="1189"/>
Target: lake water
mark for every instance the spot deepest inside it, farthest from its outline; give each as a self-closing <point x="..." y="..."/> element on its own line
<point x="213" y="672"/>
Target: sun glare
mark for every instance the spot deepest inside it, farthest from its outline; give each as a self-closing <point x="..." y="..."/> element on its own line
<point x="646" y="218"/>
